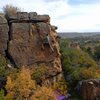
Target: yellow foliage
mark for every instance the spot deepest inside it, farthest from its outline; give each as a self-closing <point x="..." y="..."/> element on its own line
<point x="22" y="85"/>
<point x="60" y="87"/>
<point x="44" y="93"/>
<point x="10" y="84"/>
<point x="89" y="73"/>
<point x="24" y="88"/>
<point x="98" y="73"/>
<point x="10" y="96"/>
<point x="10" y="88"/>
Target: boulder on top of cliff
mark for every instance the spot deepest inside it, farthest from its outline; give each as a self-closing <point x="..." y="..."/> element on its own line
<point x="89" y="89"/>
<point x="3" y="34"/>
<point x="40" y="18"/>
<point x="22" y="16"/>
<point x="32" y="14"/>
<point x="18" y="16"/>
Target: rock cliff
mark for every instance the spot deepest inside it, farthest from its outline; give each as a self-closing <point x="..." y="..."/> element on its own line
<point x="90" y="89"/>
<point x="28" y="39"/>
<point x="3" y="34"/>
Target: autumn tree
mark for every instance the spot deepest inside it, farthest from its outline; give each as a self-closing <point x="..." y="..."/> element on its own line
<point x="22" y="87"/>
<point x="60" y="87"/>
<point x="44" y="93"/>
<point x="10" y="89"/>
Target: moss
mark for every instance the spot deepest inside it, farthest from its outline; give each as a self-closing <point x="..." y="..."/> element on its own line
<point x="3" y="65"/>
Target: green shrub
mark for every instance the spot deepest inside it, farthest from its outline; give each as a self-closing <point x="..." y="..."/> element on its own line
<point x="3" y="64"/>
<point x="77" y="65"/>
<point x="1" y="94"/>
<point x="60" y="87"/>
<point x="39" y="73"/>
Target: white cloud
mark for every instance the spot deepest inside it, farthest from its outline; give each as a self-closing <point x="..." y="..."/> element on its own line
<point x="81" y="18"/>
<point x="67" y="17"/>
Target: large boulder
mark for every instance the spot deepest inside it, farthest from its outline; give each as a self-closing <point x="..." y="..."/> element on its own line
<point x="3" y="34"/>
<point x="34" y="43"/>
<point x="29" y="40"/>
<point x="22" y="16"/>
<point x="29" y="17"/>
<point x="90" y="89"/>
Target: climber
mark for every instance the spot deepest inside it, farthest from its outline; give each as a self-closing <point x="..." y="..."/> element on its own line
<point x="47" y="41"/>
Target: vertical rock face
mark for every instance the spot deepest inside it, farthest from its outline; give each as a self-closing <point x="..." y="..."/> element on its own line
<point x="90" y="89"/>
<point x="3" y="34"/>
<point x="33" y="41"/>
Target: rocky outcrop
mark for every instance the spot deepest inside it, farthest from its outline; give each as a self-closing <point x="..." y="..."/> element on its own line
<point x="3" y="34"/>
<point x="32" y="41"/>
<point x="90" y="89"/>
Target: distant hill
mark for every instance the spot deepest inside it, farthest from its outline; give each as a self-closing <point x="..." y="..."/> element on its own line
<point x="74" y="34"/>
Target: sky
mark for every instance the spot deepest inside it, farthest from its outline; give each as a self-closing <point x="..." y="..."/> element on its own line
<point x="67" y="15"/>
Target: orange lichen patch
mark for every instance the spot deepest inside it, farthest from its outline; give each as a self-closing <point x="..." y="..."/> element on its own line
<point x="98" y="71"/>
<point x="40" y="55"/>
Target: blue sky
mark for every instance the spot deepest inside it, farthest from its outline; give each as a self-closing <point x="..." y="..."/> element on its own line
<point x="68" y="15"/>
<point x="77" y="2"/>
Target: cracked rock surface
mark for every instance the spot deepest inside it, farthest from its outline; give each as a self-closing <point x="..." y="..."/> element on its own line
<point x="29" y="39"/>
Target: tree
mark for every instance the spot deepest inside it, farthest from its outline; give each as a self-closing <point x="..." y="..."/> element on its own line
<point x="76" y="63"/>
<point x="10" y="10"/>
<point x="10" y="89"/>
<point x="22" y="87"/>
<point x="89" y="51"/>
<point x="43" y="93"/>
<point x="24" y="83"/>
<point x="60" y="87"/>
<point x="97" y="53"/>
